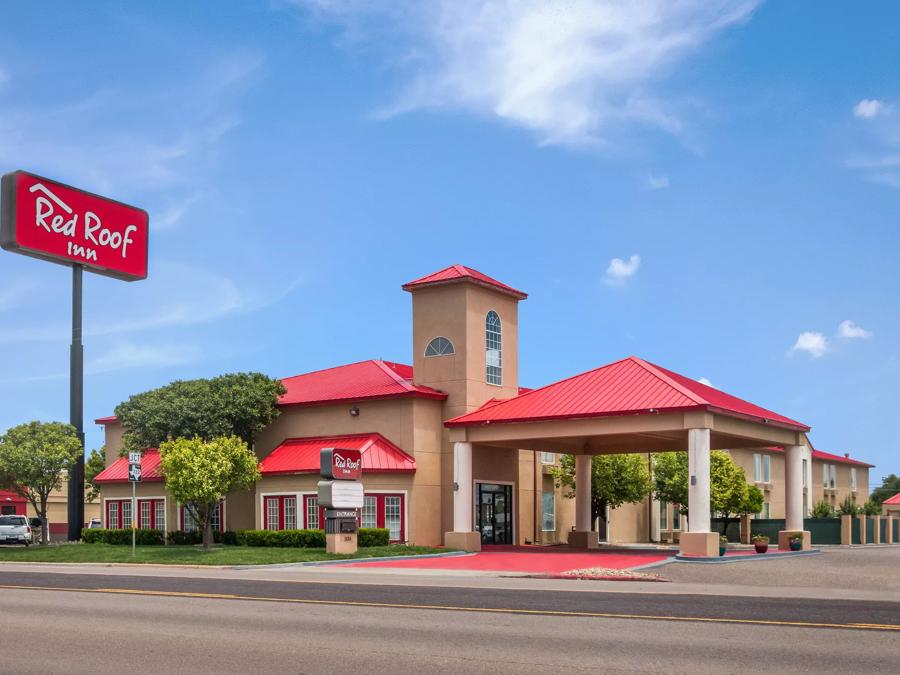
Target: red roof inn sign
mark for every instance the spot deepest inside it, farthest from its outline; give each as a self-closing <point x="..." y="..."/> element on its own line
<point x="45" y="219"/>
<point x="63" y="224"/>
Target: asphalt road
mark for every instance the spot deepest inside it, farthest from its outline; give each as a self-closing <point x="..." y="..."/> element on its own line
<point x="172" y="624"/>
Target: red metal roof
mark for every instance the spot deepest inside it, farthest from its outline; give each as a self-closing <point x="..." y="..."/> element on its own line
<point x="892" y="500"/>
<point x="458" y="273"/>
<point x="106" y="420"/>
<point x="117" y="472"/>
<point x="827" y="457"/>
<point x="6" y="496"/>
<point x="371" y="379"/>
<point x="301" y="455"/>
<point x="629" y="386"/>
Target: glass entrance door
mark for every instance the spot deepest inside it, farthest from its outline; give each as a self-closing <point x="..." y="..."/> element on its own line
<point x="495" y="517"/>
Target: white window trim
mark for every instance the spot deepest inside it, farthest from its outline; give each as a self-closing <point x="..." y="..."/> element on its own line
<point x="136" y="516"/>
<point x="544" y="459"/>
<point x="544" y="492"/>
<point x="484" y="323"/>
<point x="261" y="518"/>
<point x="179" y="506"/>
<point x="433" y="356"/>
<point x="404" y="535"/>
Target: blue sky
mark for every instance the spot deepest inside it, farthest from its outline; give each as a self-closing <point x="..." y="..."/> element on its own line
<point x="301" y="160"/>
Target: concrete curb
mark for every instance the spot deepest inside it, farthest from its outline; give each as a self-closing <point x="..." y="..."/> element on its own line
<point x="744" y="558"/>
<point x="347" y="561"/>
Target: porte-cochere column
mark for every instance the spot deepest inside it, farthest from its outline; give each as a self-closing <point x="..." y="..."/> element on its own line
<point x="462" y="537"/>
<point x="699" y="540"/>
<point x="583" y="537"/>
<point x="793" y="497"/>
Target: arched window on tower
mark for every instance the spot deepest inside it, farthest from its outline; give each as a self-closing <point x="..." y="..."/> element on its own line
<point x="440" y="346"/>
<point x="493" y="348"/>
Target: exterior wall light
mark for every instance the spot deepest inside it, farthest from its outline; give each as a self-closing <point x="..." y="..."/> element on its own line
<point x="354" y="412"/>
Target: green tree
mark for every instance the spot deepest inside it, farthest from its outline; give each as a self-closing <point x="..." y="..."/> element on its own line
<point x="95" y="463"/>
<point x="729" y="493"/>
<point x="200" y="473"/>
<point x="615" y="480"/>
<point x="239" y="404"/>
<point x="890" y="486"/>
<point x="33" y="459"/>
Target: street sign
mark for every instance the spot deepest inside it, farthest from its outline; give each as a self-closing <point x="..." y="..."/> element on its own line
<point x="134" y="473"/>
<point x="63" y="224"/>
<point x="134" y="458"/>
<point x="340" y="494"/>
<point x="340" y="463"/>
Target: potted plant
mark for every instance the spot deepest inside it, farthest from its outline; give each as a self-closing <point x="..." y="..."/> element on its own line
<point x="795" y="541"/>
<point x="760" y="543"/>
<point x="723" y="544"/>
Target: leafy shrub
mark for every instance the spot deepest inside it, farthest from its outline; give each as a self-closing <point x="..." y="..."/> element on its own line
<point x="228" y="537"/>
<point x="848" y="507"/>
<point x="179" y="538"/>
<point x="122" y="537"/>
<point x="760" y="538"/>
<point x="373" y="536"/>
<point x="822" y="509"/>
<point x="871" y="508"/>
<point x="284" y="538"/>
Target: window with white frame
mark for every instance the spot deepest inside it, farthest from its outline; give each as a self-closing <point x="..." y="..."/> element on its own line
<point x="369" y="515"/>
<point x="118" y="514"/>
<point x="440" y="346"/>
<point x="493" y="348"/>
<point x="273" y="513"/>
<point x="676" y="518"/>
<point x="548" y="511"/>
<point x="663" y="516"/>
<point x="825" y="475"/>
<point x="853" y="478"/>
<point x="312" y="513"/>
<point x="804" y="472"/>
<point x="152" y="514"/>
<point x="833" y="472"/>
<point x="757" y="468"/>
<point x="548" y="458"/>
<point x="189" y="523"/>
<point x="393" y="516"/>
<point x="112" y="515"/>
<point x="290" y="513"/>
<point x="767" y="469"/>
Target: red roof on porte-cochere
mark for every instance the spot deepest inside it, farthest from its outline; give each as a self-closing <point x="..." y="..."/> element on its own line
<point x="301" y="455"/>
<point x="628" y="387"/>
<point x="461" y="273"/>
<point x="892" y="500"/>
<point x="117" y="472"/>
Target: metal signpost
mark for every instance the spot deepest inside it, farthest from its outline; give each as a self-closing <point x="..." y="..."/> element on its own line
<point x="134" y="477"/>
<point x="341" y="493"/>
<point x="45" y="219"/>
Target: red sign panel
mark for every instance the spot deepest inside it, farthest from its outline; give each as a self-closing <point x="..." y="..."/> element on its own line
<point x="340" y="464"/>
<point x="45" y="219"/>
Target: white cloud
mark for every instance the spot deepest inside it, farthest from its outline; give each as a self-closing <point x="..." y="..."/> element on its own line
<point x="128" y="356"/>
<point x="876" y="153"/>
<point x="814" y="344"/>
<point x="657" y="182"/>
<point x="620" y="271"/>
<point x="849" y="329"/>
<point x="869" y="108"/>
<point x="572" y="72"/>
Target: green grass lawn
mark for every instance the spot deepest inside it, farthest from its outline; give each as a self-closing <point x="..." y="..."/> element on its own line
<point x="192" y="555"/>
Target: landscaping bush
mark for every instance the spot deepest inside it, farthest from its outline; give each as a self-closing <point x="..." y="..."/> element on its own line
<point x="195" y="538"/>
<point x="122" y="537"/>
<point x="848" y="507"/>
<point x="822" y="509"/>
<point x="374" y="536"/>
<point x="285" y="538"/>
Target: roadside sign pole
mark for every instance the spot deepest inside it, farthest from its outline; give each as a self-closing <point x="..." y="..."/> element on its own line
<point x="76" y="410"/>
<point x="133" y="518"/>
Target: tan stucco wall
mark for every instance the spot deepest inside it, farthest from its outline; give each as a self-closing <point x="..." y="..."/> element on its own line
<point x="113" y="433"/>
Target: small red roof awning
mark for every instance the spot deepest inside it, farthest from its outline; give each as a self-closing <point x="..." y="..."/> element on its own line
<point x="301" y="455"/>
<point x="892" y="500"/>
<point x="106" y="420"/>
<point x="11" y="497"/>
<point x="117" y="472"/>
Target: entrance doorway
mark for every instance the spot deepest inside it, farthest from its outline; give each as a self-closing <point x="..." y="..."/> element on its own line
<point x="494" y="513"/>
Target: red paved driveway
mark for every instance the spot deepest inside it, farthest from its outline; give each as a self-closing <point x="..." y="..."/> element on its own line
<point x="534" y="560"/>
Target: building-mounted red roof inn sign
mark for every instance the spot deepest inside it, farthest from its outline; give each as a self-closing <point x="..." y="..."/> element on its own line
<point x="45" y="219"/>
<point x="340" y="464"/>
